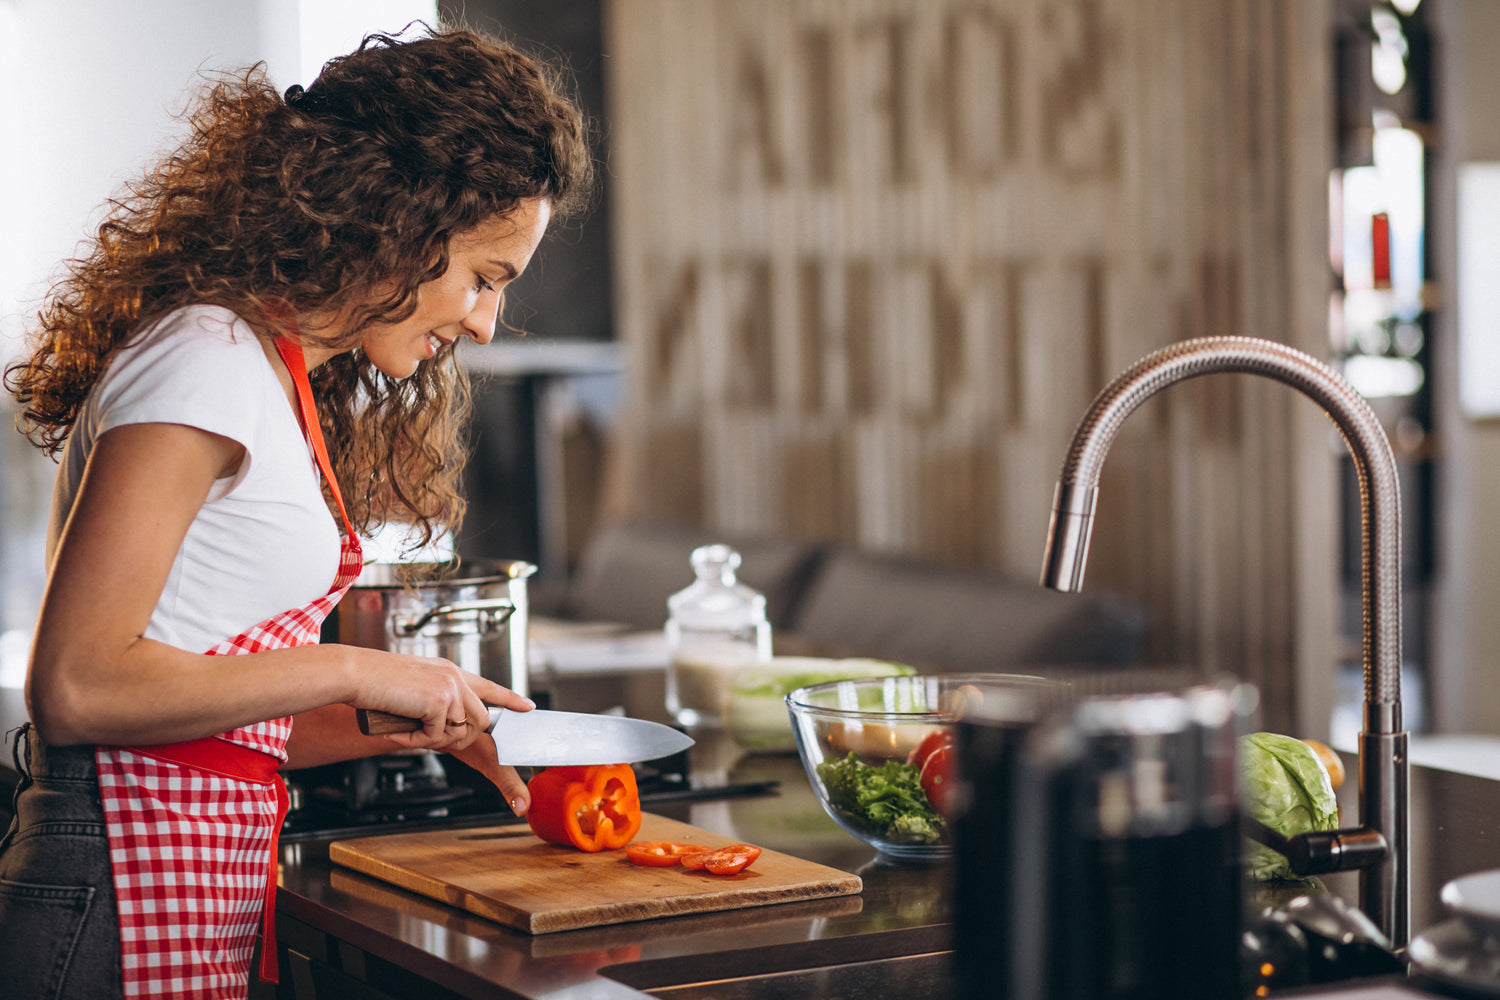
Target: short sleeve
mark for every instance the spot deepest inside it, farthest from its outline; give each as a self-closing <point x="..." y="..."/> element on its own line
<point x="200" y="367"/>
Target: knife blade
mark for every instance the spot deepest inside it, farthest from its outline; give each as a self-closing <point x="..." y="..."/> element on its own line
<point x="546" y="738"/>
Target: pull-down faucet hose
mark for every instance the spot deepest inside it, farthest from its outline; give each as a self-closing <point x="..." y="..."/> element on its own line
<point x="1383" y="766"/>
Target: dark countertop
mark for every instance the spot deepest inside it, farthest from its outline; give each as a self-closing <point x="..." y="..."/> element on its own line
<point x="1455" y="823"/>
<point x="475" y="957"/>
<point x="1455" y="830"/>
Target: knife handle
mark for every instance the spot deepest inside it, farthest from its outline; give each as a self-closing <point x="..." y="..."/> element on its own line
<point x="373" y="722"/>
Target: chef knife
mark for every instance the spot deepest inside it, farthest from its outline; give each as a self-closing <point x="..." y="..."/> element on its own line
<point x="544" y="738"/>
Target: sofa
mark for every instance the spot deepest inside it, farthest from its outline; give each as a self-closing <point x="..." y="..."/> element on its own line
<point x="937" y="618"/>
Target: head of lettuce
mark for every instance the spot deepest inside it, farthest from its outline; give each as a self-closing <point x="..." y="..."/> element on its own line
<point x="1288" y="789"/>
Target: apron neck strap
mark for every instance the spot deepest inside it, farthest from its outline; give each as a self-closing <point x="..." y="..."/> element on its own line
<point x="307" y="411"/>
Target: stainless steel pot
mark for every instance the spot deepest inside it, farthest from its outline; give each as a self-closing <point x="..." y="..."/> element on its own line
<point x="475" y="615"/>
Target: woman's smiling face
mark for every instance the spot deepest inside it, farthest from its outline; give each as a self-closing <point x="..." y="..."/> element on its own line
<point x="463" y="301"/>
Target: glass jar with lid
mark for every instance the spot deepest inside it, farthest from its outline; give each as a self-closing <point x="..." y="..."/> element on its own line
<point x="715" y="626"/>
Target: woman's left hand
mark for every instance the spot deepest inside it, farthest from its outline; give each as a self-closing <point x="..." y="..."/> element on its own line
<point x="482" y="756"/>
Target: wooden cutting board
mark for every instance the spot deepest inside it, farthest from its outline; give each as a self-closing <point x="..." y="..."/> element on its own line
<point x="506" y="874"/>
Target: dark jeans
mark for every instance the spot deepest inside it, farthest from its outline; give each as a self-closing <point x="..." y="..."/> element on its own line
<point x="59" y="930"/>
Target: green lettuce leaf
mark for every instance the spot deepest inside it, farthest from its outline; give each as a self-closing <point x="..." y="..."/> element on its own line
<point x="886" y="800"/>
<point x="1287" y="788"/>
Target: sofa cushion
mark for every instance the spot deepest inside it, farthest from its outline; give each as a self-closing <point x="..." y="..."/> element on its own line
<point x="627" y="572"/>
<point x="960" y="621"/>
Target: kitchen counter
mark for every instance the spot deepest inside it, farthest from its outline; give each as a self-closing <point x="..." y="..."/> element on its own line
<point x="1455" y="830"/>
<point x="348" y="934"/>
<point x="335" y="910"/>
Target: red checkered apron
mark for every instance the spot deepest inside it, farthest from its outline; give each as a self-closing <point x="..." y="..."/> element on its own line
<point x="193" y="826"/>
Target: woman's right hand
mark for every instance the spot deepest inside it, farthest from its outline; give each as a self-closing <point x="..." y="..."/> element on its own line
<point x="451" y="703"/>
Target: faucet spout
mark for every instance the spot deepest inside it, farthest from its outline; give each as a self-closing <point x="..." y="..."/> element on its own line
<point x="1383" y="765"/>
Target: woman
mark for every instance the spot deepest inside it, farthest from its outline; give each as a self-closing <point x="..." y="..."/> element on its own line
<point x="278" y="297"/>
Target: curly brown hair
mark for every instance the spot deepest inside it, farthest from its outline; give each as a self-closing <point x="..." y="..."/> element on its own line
<point x="340" y="200"/>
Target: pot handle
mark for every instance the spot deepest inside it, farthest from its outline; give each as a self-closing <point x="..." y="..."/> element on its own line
<point x="502" y="605"/>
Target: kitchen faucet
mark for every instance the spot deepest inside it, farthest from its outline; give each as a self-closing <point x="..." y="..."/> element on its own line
<point x="1378" y="848"/>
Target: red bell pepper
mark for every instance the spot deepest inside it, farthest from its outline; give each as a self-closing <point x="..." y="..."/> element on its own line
<point x="594" y="808"/>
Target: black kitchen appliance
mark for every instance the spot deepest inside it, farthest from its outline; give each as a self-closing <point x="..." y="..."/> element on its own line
<point x="1098" y="852"/>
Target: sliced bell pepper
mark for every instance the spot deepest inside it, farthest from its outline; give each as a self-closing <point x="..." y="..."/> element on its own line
<point x="660" y="853"/>
<point x="594" y="808"/>
<point x="730" y="860"/>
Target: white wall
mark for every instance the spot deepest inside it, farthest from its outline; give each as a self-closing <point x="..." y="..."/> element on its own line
<point x="88" y="91"/>
<point x="90" y="88"/>
<point x="1466" y="659"/>
<point x="94" y="85"/>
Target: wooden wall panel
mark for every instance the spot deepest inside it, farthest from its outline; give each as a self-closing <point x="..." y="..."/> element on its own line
<point x="874" y="258"/>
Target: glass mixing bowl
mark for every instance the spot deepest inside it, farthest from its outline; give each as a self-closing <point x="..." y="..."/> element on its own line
<point x="880" y="753"/>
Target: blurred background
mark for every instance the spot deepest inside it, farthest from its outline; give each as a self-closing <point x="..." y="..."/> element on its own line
<point x="857" y="267"/>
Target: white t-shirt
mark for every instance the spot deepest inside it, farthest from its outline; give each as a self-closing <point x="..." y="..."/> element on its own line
<point x="264" y="541"/>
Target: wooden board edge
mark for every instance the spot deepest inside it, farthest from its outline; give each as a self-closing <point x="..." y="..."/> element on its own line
<point x="432" y="888"/>
<point x="627" y="911"/>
